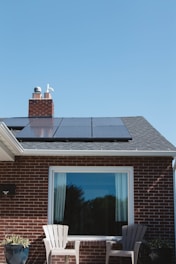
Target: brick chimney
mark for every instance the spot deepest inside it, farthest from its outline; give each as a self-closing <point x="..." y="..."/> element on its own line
<point x="39" y="106"/>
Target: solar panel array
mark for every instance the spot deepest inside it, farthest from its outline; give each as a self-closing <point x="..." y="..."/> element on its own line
<point x="68" y="129"/>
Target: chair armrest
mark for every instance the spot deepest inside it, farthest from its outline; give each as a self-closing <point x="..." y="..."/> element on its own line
<point x="136" y="250"/>
<point x="109" y="246"/>
<point x="113" y="244"/>
<point x="77" y="245"/>
<point x="48" y="248"/>
<point x="137" y="245"/>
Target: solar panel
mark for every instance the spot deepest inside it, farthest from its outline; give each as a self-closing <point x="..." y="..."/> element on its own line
<point x="110" y="127"/>
<point x="16" y="121"/>
<point x="73" y="128"/>
<point x="106" y="121"/>
<point x="36" y="132"/>
<point x="39" y="128"/>
<point x="65" y="129"/>
<point x="72" y="132"/>
<point x="45" y="122"/>
<point x="76" y="121"/>
<point x="113" y="132"/>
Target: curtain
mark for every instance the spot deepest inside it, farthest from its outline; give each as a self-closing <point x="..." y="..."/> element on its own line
<point x="59" y="196"/>
<point x="121" y="189"/>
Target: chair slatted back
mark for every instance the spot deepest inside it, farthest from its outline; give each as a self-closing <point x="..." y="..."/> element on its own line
<point x="57" y="235"/>
<point x="131" y="234"/>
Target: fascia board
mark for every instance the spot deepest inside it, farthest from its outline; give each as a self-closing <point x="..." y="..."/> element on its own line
<point x="5" y="154"/>
<point x="46" y="152"/>
<point x="174" y="164"/>
<point x="8" y="141"/>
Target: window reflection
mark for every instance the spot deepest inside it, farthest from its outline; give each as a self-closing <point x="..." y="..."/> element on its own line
<point x="91" y="203"/>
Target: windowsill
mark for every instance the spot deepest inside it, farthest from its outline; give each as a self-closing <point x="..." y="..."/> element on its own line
<point x="93" y="238"/>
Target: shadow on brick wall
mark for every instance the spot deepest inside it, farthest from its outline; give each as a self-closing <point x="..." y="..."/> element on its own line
<point x="37" y="252"/>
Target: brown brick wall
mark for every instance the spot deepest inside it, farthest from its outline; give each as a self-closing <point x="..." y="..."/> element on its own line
<point x="26" y="212"/>
<point x="41" y="108"/>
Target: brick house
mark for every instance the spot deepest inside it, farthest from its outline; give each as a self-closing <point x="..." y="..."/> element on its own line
<point x="94" y="174"/>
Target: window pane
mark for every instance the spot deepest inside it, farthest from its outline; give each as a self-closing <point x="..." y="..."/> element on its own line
<point x="91" y="203"/>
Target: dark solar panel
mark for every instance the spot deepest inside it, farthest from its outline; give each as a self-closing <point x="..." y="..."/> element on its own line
<point x="109" y="127"/>
<point x="114" y="132"/>
<point x="40" y="128"/>
<point x="73" y="128"/>
<point x="72" y="132"/>
<point x="45" y="122"/>
<point x="106" y="121"/>
<point x="36" y="132"/>
<point x="67" y="121"/>
<point x="88" y="129"/>
<point x="16" y="121"/>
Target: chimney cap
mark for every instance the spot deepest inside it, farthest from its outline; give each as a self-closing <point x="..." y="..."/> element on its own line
<point x="37" y="89"/>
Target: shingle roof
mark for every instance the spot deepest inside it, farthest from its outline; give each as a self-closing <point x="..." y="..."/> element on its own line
<point x="144" y="138"/>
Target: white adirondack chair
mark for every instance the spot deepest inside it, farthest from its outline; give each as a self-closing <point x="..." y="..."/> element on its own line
<point x="56" y="241"/>
<point x="132" y="236"/>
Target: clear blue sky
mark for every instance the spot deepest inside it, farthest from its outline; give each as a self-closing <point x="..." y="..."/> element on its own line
<point x="102" y="57"/>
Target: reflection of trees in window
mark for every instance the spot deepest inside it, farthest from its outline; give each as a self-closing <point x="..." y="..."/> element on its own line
<point x="103" y="214"/>
<point x="92" y="217"/>
<point x="73" y="208"/>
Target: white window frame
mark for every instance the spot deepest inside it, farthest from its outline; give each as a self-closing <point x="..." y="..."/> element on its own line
<point x="99" y="169"/>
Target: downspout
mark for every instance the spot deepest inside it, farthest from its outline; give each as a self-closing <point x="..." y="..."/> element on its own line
<point x="174" y="181"/>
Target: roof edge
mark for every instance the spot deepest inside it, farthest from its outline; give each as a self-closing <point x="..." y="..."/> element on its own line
<point x="9" y="144"/>
<point x="11" y="147"/>
<point x="5" y="154"/>
<point x="147" y="153"/>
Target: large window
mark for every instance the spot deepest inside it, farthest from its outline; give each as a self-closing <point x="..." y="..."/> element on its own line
<point x="91" y="200"/>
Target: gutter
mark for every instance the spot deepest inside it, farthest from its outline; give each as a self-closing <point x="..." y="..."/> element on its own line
<point x="174" y="183"/>
<point x="125" y="153"/>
